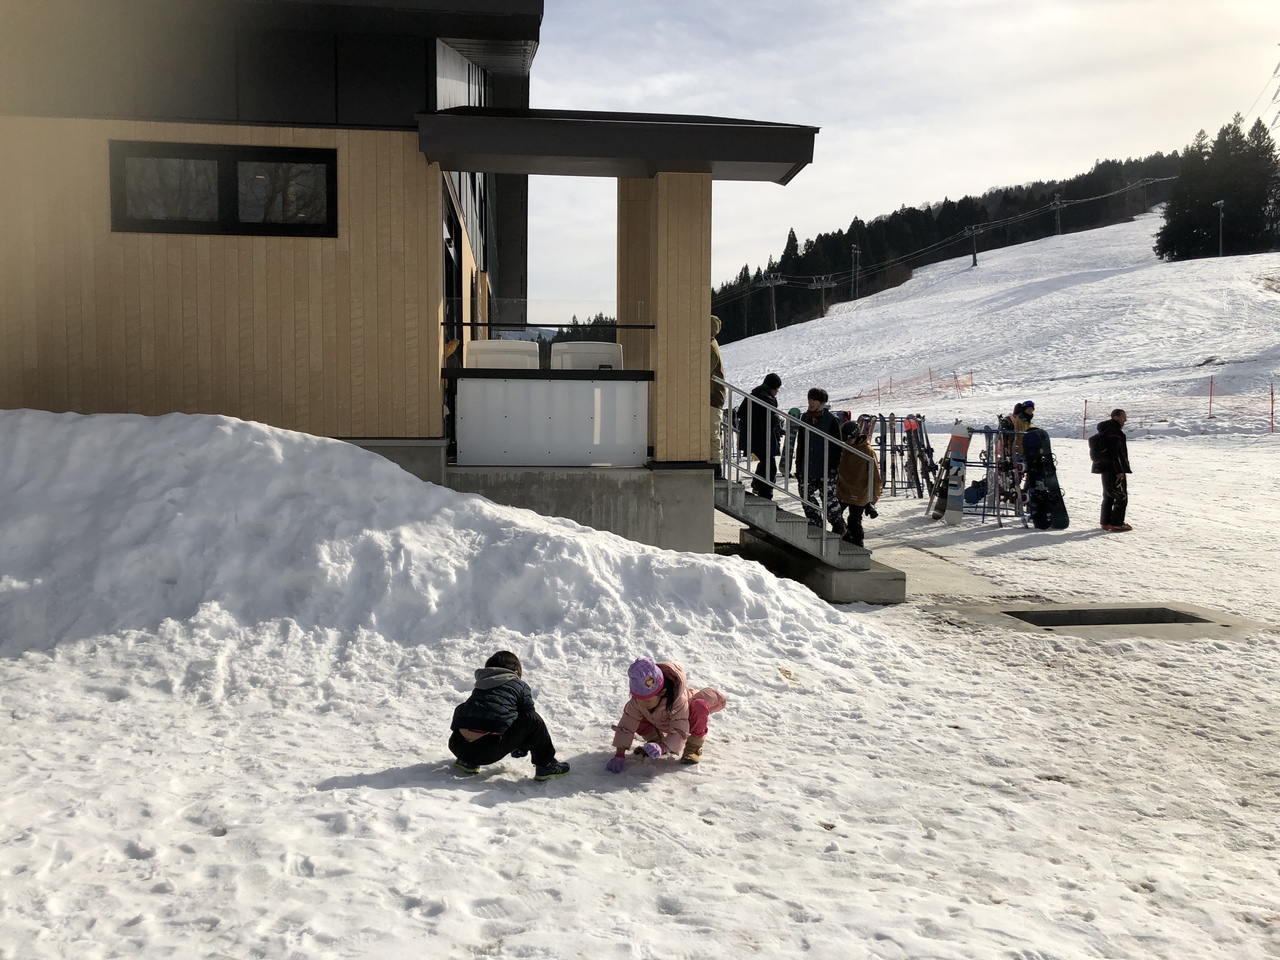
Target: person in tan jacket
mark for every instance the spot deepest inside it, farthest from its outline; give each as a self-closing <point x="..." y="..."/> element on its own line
<point x="851" y="482"/>
<point x="662" y="710"/>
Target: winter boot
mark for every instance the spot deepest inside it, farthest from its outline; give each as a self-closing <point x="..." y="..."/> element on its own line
<point x="692" y="750"/>
<point x="556" y="768"/>
<point x="470" y="769"/>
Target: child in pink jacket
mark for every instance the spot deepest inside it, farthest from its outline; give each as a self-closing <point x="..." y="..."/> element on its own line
<point x="671" y="718"/>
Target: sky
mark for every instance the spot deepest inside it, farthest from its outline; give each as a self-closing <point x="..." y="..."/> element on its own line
<point x="229" y="655"/>
<point x="917" y="101"/>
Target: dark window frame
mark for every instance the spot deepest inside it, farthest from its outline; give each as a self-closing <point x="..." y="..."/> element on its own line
<point x="228" y="157"/>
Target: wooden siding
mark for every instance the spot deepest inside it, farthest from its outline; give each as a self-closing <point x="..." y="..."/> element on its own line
<point x="635" y="197"/>
<point x="336" y="336"/>
<point x="680" y="307"/>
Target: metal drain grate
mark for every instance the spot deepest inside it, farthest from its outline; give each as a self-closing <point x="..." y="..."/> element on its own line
<point x="1103" y="616"/>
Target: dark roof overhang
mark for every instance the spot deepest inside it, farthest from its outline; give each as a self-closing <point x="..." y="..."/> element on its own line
<point x="575" y="143"/>
<point x="499" y="35"/>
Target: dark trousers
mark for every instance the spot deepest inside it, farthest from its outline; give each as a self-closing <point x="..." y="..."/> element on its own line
<point x="854" y="532"/>
<point x="527" y="733"/>
<point x="766" y="469"/>
<point x="1115" y="497"/>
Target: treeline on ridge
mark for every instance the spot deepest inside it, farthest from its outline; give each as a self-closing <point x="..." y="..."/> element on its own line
<point x="810" y="277"/>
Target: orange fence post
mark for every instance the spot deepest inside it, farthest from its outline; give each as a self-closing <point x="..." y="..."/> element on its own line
<point x="1084" y="425"/>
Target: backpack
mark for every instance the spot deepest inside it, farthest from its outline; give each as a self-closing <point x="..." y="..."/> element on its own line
<point x="1097" y="449"/>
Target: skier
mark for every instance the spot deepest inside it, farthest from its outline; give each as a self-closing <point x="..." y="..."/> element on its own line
<point x="1109" y="451"/>
<point x="499" y="719"/>
<point x="671" y="720"/>
<point x="851" y="483"/>
<point x="757" y="423"/>
<point x="817" y="463"/>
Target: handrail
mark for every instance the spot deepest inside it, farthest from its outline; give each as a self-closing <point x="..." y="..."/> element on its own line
<point x="734" y="465"/>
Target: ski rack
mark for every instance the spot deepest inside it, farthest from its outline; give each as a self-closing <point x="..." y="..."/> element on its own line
<point x="1001" y="479"/>
<point x="904" y="451"/>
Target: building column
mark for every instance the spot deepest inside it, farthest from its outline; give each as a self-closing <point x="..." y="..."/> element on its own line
<point x="664" y="252"/>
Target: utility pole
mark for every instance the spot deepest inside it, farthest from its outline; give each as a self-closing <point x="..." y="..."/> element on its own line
<point x="771" y="280"/>
<point x="1221" y="205"/>
<point x="854" y="279"/>
<point x="1057" y="214"/>
<point x="973" y="232"/>
<point x="822" y="284"/>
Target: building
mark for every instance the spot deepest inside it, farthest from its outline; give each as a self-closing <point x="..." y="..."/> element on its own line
<point x="281" y="210"/>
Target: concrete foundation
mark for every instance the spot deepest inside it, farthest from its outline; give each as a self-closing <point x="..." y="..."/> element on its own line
<point x="672" y="509"/>
<point x="424" y="458"/>
<point x="880" y="584"/>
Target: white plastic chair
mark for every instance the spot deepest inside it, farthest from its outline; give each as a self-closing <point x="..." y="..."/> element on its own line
<point x="586" y="355"/>
<point x="502" y="354"/>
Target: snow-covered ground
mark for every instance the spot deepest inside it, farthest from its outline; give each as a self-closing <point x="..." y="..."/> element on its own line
<point x="229" y="654"/>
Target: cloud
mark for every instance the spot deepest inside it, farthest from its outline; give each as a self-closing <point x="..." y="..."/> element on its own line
<point x="917" y="99"/>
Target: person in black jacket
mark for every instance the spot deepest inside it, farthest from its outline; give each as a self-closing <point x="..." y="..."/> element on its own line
<point x="499" y="719"/>
<point x="1109" y="450"/>
<point x="817" y="463"/>
<point x="760" y="430"/>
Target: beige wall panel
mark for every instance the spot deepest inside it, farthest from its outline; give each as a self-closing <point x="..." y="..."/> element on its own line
<point x="339" y="337"/>
<point x="431" y="308"/>
<point x="634" y="212"/>
<point x="680" y="252"/>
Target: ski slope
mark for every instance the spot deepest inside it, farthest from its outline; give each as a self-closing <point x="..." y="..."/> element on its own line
<point x="229" y="655"/>
<point x="1089" y="315"/>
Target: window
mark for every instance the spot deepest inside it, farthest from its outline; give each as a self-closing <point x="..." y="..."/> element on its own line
<point x="223" y="189"/>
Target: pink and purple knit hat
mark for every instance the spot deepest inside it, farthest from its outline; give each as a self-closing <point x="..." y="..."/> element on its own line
<point x="646" y="679"/>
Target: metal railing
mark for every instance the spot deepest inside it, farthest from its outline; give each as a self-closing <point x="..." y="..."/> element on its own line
<point x="737" y="435"/>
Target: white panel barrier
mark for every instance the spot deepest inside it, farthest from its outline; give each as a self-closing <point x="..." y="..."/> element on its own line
<point x="552" y="423"/>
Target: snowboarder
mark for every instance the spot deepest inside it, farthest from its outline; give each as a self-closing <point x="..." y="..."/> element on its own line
<point x="851" y="483"/>
<point x="671" y="720"/>
<point x="499" y="719"/>
<point x="1109" y="451"/>
<point x="816" y="464"/>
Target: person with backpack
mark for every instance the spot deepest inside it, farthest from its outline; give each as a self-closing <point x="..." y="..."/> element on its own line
<point x="760" y="433"/>
<point x="1109" y="451"/>
<point x="817" y="463"/>
<point x="851" y="482"/>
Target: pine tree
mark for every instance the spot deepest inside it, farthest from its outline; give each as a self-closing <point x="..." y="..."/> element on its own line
<point x="1241" y="170"/>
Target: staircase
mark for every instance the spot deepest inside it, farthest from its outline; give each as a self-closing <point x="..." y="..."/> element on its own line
<point x="764" y="516"/>
<point x="777" y="528"/>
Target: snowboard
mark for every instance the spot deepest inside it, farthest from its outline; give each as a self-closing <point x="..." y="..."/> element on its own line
<point x="938" y="487"/>
<point x="959" y="452"/>
<point x="1045" y="505"/>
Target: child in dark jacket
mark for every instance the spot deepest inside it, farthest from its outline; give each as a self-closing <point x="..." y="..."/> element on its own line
<point x="499" y="719"/>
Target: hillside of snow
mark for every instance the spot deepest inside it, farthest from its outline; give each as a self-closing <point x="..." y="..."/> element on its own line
<point x="1087" y="316"/>
<point x="229" y="655"/>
